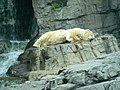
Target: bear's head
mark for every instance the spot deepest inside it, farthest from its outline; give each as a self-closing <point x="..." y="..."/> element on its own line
<point x="88" y="35"/>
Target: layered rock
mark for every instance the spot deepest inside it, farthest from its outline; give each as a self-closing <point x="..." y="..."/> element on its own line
<point x="62" y="55"/>
<point x="102" y="74"/>
<point x="102" y="16"/>
<point x="99" y="74"/>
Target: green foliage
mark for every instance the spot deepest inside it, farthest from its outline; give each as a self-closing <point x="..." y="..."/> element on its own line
<point x="55" y="5"/>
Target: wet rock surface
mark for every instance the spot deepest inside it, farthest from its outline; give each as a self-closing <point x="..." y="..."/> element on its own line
<point x="8" y="57"/>
<point x="8" y="81"/>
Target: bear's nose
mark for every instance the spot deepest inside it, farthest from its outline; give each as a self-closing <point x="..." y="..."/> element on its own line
<point x="91" y="39"/>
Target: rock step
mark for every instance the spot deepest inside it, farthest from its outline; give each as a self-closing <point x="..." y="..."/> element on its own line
<point x="99" y="74"/>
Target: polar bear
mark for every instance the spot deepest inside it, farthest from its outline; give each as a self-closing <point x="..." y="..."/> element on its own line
<point x="74" y="36"/>
<point x="51" y="38"/>
<point x="77" y="35"/>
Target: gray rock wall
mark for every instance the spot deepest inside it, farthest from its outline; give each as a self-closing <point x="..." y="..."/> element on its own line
<point x="102" y="16"/>
<point x="7" y="18"/>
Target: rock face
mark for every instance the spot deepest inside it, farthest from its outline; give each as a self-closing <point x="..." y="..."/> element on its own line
<point x="58" y="56"/>
<point x="102" y="16"/>
<point x="17" y="21"/>
<point x="99" y="74"/>
<point x="7" y="18"/>
<point x="17" y="16"/>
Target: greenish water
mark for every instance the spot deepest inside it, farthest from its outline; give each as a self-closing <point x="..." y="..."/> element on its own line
<point x="8" y="59"/>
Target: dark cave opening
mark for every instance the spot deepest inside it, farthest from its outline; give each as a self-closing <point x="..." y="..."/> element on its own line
<point x="25" y="27"/>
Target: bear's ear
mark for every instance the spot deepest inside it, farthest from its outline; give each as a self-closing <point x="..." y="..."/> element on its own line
<point x="88" y="29"/>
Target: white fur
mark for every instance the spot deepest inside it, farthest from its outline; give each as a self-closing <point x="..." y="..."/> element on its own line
<point x="75" y="35"/>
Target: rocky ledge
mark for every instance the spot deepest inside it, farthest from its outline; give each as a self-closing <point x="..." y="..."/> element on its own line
<point x="58" y="56"/>
<point x="98" y="74"/>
